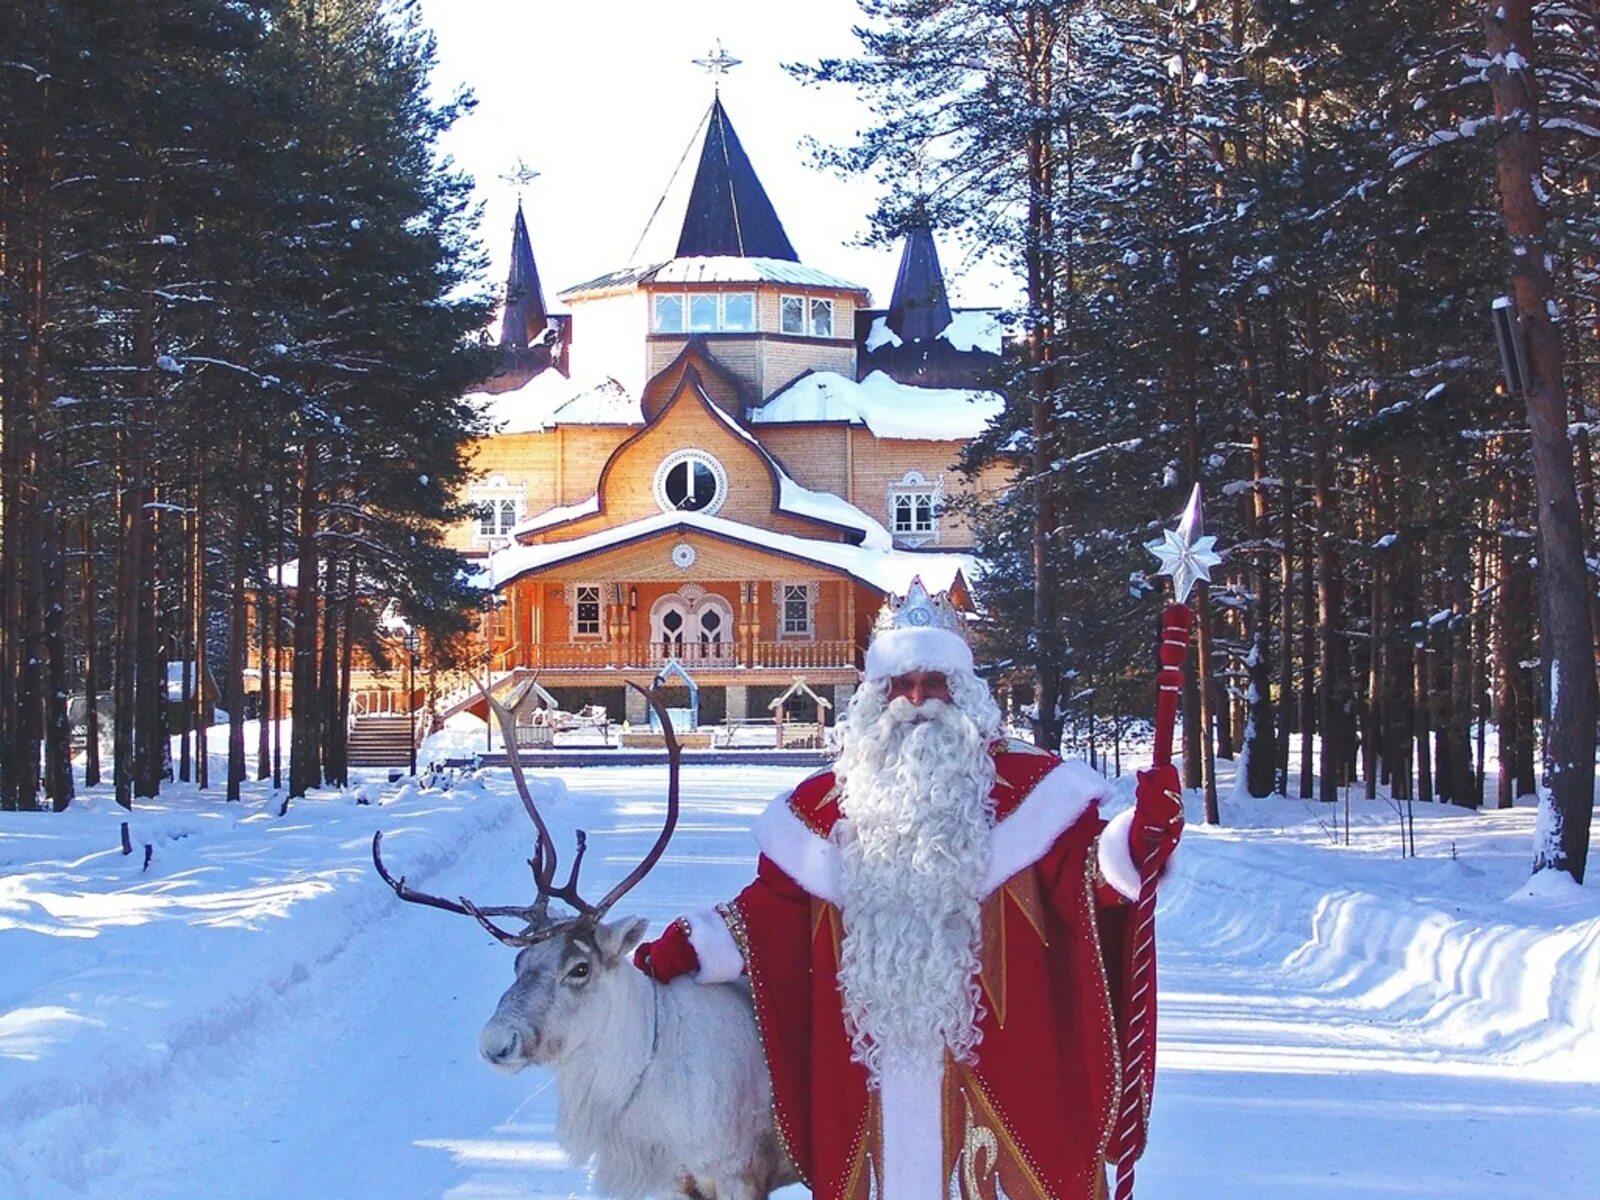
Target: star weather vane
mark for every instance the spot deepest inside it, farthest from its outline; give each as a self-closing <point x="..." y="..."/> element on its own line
<point x="717" y="65"/>
<point x="520" y="176"/>
<point x="1185" y="554"/>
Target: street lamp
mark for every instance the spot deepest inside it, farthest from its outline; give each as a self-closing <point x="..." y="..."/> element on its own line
<point x="411" y="695"/>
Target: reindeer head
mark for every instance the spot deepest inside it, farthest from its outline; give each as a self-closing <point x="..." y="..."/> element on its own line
<point x="565" y="996"/>
<point x="568" y="969"/>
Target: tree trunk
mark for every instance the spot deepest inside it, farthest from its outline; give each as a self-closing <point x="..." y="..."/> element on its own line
<point x="202" y="621"/>
<point x="305" y="745"/>
<point x="1566" y="635"/>
<point x="57" y="655"/>
<point x="91" y="660"/>
<point x="1040" y="255"/>
<point x="238" y="633"/>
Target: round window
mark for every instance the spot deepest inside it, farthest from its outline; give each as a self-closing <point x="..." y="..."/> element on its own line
<point x="691" y="481"/>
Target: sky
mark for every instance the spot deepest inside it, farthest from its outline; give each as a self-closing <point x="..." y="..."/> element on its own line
<point x="603" y="97"/>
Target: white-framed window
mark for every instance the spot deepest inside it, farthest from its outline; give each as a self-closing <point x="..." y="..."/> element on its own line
<point x="914" y="507"/>
<point x="691" y="481"/>
<point x="500" y="506"/>
<point x="704" y="312"/>
<point x="913" y="513"/>
<point x="586" y="611"/>
<point x="738" y="311"/>
<point x="805" y="316"/>
<point x="797" y="608"/>
<point x="821" y="318"/>
<point x="792" y="314"/>
<point x="668" y="314"/>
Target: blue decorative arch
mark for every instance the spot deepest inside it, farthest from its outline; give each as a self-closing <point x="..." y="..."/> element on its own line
<point x="674" y="667"/>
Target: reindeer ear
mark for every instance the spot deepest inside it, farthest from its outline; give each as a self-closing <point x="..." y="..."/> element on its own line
<point x="618" y="939"/>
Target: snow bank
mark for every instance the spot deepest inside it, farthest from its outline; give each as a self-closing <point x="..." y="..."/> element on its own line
<point x="117" y="978"/>
<point x="1456" y="948"/>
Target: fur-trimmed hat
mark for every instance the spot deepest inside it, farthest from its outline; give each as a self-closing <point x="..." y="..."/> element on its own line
<point x="920" y="632"/>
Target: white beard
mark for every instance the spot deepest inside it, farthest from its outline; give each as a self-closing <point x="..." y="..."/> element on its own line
<point x="914" y="849"/>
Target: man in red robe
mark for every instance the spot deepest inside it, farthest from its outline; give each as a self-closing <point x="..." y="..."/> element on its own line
<point x="936" y="942"/>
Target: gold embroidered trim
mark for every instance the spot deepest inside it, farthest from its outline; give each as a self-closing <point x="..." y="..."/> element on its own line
<point x="741" y="936"/>
<point x="975" y="1091"/>
<point x="1098" y="875"/>
<point x="1104" y="996"/>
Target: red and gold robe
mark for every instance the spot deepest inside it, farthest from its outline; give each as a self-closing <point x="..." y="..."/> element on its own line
<point x="1032" y="1117"/>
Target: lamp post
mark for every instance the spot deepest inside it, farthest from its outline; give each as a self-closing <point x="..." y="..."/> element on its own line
<point x="411" y="695"/>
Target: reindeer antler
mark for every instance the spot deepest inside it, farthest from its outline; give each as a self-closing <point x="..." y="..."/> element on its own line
<point x="536" y="919"/>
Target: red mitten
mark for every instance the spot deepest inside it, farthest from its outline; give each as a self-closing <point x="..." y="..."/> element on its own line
<point x="1157" y="816"/>
<point x="670" y="955"/>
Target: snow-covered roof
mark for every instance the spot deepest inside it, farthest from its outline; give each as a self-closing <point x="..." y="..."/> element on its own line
<point x="887" y="570"/>
<point x="973" y="329"/>
<point x="889" y="408"/>
<point x="559" y="515"/>
<point x="825" y="506"/>
<point x="881" y="335"/>
<point x="716" y="269"/>
<point x="550" y="399"/>
<point x="792" y="498"/>
<point x="970" y="329"/>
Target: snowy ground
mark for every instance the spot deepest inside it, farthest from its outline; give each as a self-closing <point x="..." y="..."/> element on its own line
<point x="256" y="1016"/>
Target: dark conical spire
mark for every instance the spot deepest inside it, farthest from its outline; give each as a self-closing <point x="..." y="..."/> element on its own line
<point x="729" y="212"/>
<point x="526" y="316"/>
<point x="919" y="310"/>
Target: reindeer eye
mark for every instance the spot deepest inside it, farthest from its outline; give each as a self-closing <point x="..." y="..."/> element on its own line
<point x="580" y="970"/>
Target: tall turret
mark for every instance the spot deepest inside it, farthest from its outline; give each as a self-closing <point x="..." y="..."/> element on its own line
<point x="729" y="212"/>
<point x="526" y="316"/>
<point x="919" y="310"/>
<point x="919" y="339"/>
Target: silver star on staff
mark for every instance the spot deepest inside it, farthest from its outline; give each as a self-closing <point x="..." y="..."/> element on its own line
<point x="1184" y="554"/>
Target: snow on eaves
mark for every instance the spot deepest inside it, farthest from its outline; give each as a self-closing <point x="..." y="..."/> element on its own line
<point x="715" y="269"/>
<point x="888" y="408"/>
<point x="836" y="510"/>
<point x="885" y="569"/>
<point x="550" y="399"/>
<point x="559" y="515"/>
<point x="881" y="335"/>
<point x="973" y="329"/>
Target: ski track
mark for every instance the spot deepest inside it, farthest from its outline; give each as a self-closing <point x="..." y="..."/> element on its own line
<point x="1294" y="1061"/>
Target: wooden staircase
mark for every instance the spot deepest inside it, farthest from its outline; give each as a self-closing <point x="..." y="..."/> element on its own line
<point x="381" y="740"/>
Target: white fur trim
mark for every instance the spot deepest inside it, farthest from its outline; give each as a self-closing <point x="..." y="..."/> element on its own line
<point x="913" y="1132"/>
<point x="1116" y="855"/>
<point x="1019" y="841"/>
<point x="1055" y="803"/>
<point x="897" y="651"/>
<point x="809" y="860"/>
<point x="720" y="960"/>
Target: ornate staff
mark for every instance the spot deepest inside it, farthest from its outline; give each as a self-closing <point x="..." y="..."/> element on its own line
<point x="1188" y="557"/>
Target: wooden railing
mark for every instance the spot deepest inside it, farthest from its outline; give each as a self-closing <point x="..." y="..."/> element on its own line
<point x="601" y="656"/>
<point x="790" y="655"/>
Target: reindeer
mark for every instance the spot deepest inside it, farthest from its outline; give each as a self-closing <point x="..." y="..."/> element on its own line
<point x="662" y="1087"/>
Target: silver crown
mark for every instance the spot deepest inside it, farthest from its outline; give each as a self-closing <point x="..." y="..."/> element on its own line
<point x="919" y="609"/>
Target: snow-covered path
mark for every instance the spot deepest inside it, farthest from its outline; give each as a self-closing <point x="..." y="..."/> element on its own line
<point x="1324" y="1038"/>
<point x="1289" y="1069"/>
